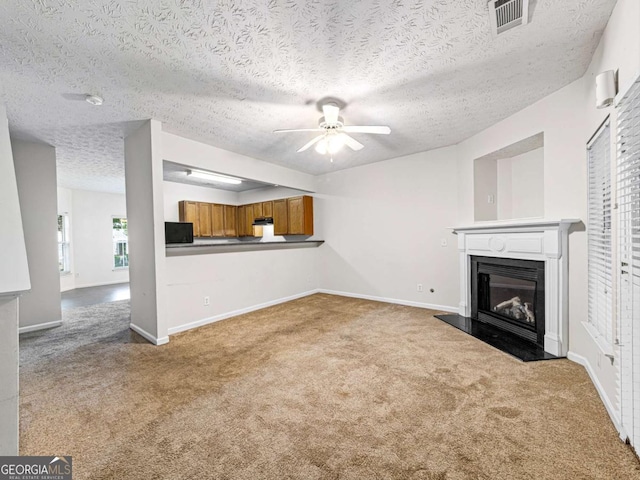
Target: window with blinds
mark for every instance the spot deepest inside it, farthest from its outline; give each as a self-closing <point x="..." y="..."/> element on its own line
<point x="599" y="235"/>
<point x="628" y="186"/>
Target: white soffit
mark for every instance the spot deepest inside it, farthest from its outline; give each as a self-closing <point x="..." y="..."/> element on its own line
<point x="230" y="72"/>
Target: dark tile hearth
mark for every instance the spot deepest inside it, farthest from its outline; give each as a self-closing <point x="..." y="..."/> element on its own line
<point x="505" y="341"/>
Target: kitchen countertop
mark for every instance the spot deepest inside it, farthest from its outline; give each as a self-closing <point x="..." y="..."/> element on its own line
<point x="198" y="248"/>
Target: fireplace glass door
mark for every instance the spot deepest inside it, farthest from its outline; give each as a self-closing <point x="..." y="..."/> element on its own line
<point x="512" y="298"/>
<point x="509" y="294"/>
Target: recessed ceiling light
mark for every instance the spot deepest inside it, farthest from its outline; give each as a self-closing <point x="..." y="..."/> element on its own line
<point x="94" y="99"/>
<point x="213" y="177"/>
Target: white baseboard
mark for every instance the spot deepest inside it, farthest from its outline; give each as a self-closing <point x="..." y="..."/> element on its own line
<point x="408" y="303"/>
<point x="100" y="284"/>
<point x="40" y="326"/>
<point x="148" y="336"/>
<point x="253" y="308"/>
<point x="613" y="414"/>
<point x="234" y="313"/>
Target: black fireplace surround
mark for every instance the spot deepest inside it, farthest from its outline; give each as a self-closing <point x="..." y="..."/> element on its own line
<point x="509" y="294"/>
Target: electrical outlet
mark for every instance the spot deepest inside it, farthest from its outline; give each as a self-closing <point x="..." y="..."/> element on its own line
<point x="491" y="198"/>
<point x="419" y="287"/>
<point x="443" y="242"/>
<point x="206" y="301"/>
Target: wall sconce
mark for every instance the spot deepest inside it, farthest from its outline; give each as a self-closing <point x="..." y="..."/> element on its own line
<point x="606" y="89"/>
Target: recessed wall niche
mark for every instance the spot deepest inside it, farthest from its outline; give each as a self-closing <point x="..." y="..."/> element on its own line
<point x="509" y="183"/>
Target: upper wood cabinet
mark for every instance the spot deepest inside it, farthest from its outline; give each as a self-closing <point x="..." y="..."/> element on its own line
<point x="257" y="210"/>
<point x="188" y="212"/>
<point x="204" y="219"/>
<point x="267" y="209"/>
<point x="217" y="220"/>
<point x="280" y="217"/>
<point x="230" y="221"/>
<point x="242" y="221"/>
<point x="249" y="217"/>
<point x="291" y="216"/>
<point x="300" y="210"/>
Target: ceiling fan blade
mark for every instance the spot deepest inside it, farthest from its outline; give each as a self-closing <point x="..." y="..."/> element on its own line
<point x="352" y="143"/>
<point x="300" y="130"/>
<point x="382" y="130"/>
<point x="311" y="143"/>
<point x="330" y="113"/>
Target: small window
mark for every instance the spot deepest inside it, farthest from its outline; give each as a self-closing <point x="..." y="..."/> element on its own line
<point x="120" y="243"/>
<point x="63" y="244"/>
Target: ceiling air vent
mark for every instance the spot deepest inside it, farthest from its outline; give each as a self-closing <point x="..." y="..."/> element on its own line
<point x="507" y="14"/>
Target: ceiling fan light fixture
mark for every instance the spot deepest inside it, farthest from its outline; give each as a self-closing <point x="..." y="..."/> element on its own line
<point x="335" y="143"/>
<point x="330" y="143"/>
<point x="321" y="146"/>
<point x="213" y="177"/>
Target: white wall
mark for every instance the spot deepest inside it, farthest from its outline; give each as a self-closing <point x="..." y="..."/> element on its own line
<point x="175" y="192"/>
<point x="568" y="118"/>
<point x="520" y="186"/>
<point x="268" y="193"/>
<point x="189" y="152"/>
<point x="9" y="368"/>
<point x="235" y="282"/>
<point x="504" y="205"/>
<point x="485" y="189"/>
<point x="383" y="225"/>
<point x="91" y="238"/>
<point x="145" y="215"/>
<point x="35" y="166"/>
<point x="14" y="278"/>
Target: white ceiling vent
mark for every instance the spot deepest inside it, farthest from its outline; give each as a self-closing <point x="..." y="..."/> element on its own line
<point x="507" y="14"/>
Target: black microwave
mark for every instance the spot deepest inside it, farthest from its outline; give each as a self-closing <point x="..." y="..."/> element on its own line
<point x="178" y="232"/>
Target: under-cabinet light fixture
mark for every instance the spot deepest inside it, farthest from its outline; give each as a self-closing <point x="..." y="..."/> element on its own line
<point x="213" y="177"/>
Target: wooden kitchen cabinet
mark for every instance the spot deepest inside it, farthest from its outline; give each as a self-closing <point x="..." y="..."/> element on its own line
<point x="257" y="210"/>
<point x="249" y="217"/>
<point x="217" y="220"/>
<point x="188" y="212"/>
<point x="204" y="219"/>
<point x="280" y="217"/>
<point x="300" y="215"/>
<point x="267" y="209"/>
<point x="291" y="216"/>
<point x="242" y="221"/>
<point x="230" y="221"/>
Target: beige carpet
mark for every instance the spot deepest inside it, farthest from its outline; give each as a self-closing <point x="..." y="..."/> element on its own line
<point x="323" y="387"/>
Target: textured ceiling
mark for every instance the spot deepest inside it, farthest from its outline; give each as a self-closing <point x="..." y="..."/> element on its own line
<point x="229" y="72"/>
<point x="175" y="172"/>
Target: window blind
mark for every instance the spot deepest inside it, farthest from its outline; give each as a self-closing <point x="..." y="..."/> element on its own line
<point x="628" y="185"/>
<point x="599" y="234"/>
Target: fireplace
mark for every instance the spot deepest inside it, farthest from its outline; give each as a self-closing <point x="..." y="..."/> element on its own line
<point x="509" y="294"/>
<point x="546" y="244"/>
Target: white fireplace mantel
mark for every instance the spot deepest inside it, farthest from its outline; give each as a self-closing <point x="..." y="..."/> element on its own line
<point x="534" y="239"/>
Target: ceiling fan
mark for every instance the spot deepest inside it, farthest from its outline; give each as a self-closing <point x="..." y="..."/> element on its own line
<point x="334" y="132"/>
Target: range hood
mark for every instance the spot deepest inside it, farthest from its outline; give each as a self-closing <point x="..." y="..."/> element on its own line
<point x="261" y="221"/>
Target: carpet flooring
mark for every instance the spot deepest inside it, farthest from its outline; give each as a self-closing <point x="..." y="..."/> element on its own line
<point x="323" y="387"/>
